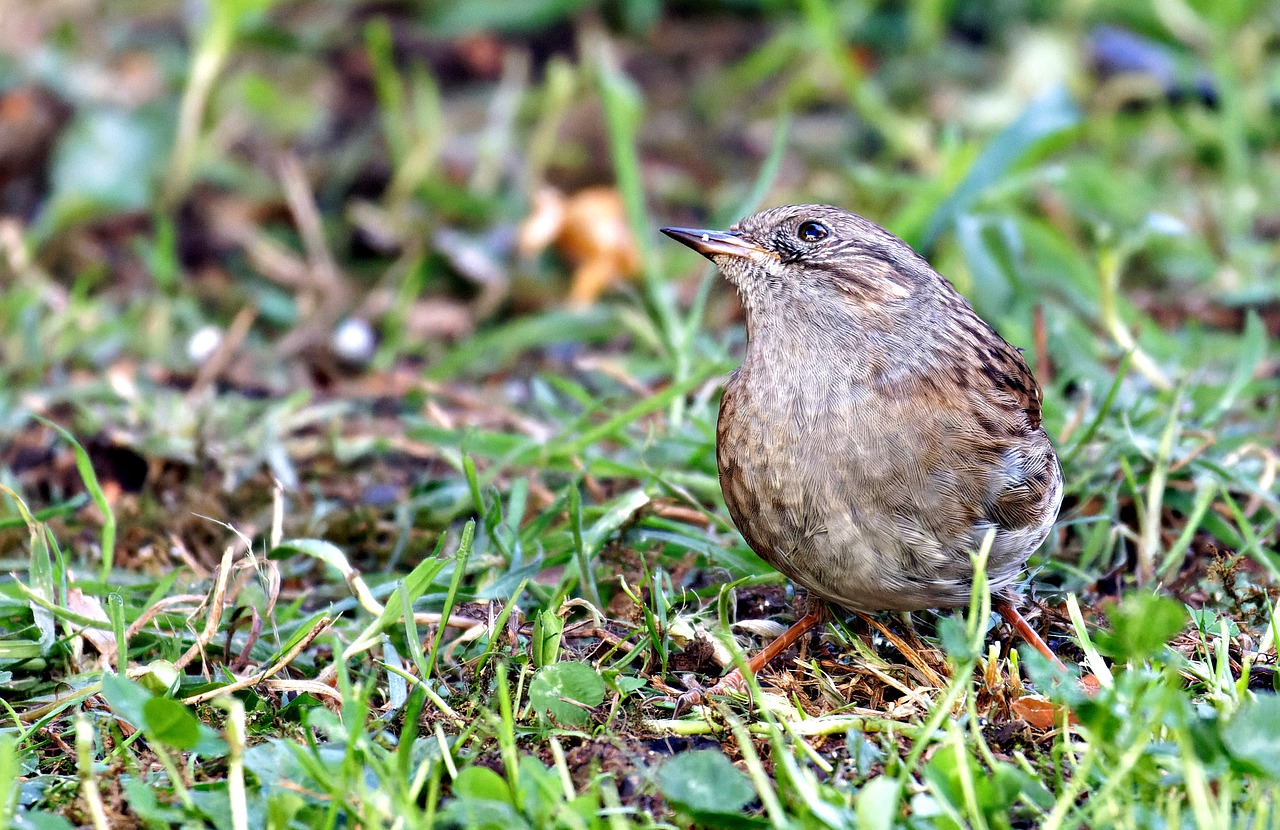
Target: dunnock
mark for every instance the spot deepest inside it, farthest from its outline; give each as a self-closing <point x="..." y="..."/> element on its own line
<point x="877" y="429"/>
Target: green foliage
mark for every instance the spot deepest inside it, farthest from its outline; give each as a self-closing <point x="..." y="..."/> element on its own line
<point x="502" y="15"/>
<point x="704" y="784"/>
<point x="1043" y="121"/>
<point x="164" y="720"/>
<point x="566" y="692"/>
<point x="1252" y="735"/>
<point x="85" y="468"/>
<point x="966" y="789"/>
<point x="548" y="630"/>
<point x="452" y="587"/>
<point x="1141" y="624"/>
<point x="108" y="162"/>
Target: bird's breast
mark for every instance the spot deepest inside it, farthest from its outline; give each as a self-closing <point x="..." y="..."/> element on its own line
<point x="868" y="498"/>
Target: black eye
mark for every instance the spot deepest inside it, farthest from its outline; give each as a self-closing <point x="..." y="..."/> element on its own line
<point x="812" y="232"/>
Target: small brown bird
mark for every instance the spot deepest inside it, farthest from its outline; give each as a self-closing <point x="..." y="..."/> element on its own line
<point x="877" y="429"/>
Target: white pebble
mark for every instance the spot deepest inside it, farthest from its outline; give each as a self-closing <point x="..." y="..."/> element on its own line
<point x="354" y="340"/>
<point x="204" y="343"/>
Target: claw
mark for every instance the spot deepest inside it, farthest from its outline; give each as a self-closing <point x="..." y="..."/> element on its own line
<point x="731" y="683"/>
<point x="687" y="701"/>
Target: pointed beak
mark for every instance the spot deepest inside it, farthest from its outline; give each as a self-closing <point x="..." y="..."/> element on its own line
<point x="714" y="243"/>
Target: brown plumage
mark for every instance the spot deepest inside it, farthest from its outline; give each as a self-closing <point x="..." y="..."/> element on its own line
<point x="877" y="428"/>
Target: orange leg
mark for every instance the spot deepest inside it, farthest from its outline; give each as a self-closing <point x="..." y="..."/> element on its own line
<point x="1024" y="629"/>
<point x="734" y="679"/>
<point x="789" y="638"/>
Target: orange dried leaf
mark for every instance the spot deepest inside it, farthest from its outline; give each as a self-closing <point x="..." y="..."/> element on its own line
<point x="595" y="225"/>
<point x="1036" y="710"/>
<point x="543" y="224"/>
<point x="589" y="229"/>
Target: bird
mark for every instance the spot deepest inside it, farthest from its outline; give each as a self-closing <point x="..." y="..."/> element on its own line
<point x="877" y="429"/>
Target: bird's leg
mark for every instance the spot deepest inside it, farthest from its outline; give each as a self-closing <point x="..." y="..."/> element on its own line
<point x="816" y="615"/>
<point x="1024" y="629"/>
<point x="788" y="638"/>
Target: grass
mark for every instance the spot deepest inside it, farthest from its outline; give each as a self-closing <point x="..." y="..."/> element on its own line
<point x="456" y="582"/>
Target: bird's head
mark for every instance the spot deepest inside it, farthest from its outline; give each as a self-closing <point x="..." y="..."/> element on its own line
<point x="799" y="253"/>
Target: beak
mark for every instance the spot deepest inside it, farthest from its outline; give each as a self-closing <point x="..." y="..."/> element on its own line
<point x="714" y="243"/>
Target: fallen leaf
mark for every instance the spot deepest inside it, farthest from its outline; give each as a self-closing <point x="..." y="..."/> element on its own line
<point x="589" y="229"/>
<point x="103" y="641"/>
<point x="1037" y="711"/>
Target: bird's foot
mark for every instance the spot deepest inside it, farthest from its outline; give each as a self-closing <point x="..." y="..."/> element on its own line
<point x="734" y="681"/>
<point x="697" y="695"/>
<point x="1005" y="607"/>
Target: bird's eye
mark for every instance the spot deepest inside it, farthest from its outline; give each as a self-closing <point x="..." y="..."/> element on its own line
<point x="812" y="232"/>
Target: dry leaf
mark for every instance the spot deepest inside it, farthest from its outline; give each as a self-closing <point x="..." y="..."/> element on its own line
<point x="590" y="230"/>
<point x="1037" y="711"/>
<point x="104" y="642"/>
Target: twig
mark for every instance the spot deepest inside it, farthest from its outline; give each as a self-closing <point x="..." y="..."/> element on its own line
<point x="245" y="682"/>
<point x="217" y="362"/>
<point x="215" y="601"/>
<point x="163" y="605"/>
<point x="913" y="656"/>
<point x="808" y="728"/>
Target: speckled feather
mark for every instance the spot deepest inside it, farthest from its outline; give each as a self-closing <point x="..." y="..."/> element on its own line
<point x="877" y="428"/>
